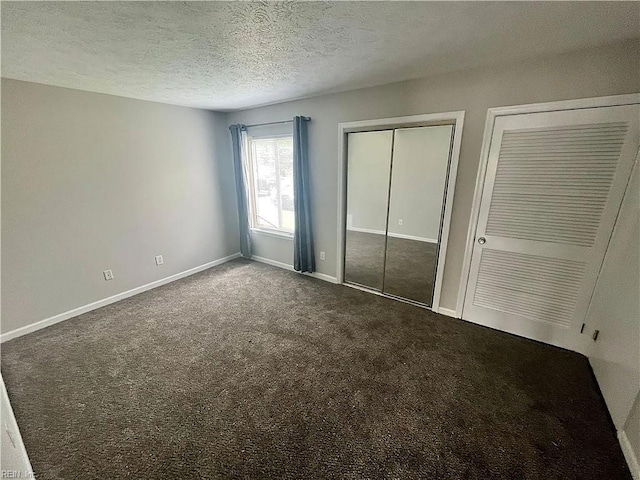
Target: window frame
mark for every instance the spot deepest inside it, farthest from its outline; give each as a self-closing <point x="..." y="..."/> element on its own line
<point x="254" y="225"/>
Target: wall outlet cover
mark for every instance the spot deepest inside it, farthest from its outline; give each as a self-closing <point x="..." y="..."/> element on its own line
<point x="159" y="260"/>
<point x="108" y="275"/>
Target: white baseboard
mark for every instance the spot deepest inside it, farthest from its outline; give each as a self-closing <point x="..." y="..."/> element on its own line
<point x="18" y="332"/>
<point x="365" y="230"/>
<point x="273" y="263"/>
<point x="321" y="276"/>
<point x="413" y="237"/>
<point x="286" y="266"/>
<point x="629" y="455"/>
<point x="394" y="235"/>
<point x="448" y="312"/>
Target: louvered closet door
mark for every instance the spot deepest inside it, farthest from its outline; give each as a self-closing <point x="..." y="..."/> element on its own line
<point x="552" y="190"/>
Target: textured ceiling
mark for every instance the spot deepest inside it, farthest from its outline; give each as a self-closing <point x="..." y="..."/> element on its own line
<point x="231" y="55"/>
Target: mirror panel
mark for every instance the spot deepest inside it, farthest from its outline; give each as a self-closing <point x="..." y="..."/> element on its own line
<point x="418" y="180"/>
<point x="368" y="171"/>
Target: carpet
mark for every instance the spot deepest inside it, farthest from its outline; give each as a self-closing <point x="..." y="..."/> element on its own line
<point x="364" y="258"/>
<point x="250" y="371"/>
<point x="410" y="268"/>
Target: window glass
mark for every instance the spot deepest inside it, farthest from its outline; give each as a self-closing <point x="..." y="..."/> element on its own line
<point x="271" y="166"/>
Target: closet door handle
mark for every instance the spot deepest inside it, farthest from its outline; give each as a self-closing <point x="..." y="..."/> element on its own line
<point x="482" y="240"/>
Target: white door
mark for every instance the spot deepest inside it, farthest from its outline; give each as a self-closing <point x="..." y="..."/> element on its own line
<point x="552" y="190"/>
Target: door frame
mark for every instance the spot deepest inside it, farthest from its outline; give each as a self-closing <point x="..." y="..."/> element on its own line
<point x="456" y="119"/>
<point x="492" y="114"/>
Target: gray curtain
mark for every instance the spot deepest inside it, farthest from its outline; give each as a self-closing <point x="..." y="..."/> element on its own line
<point x="303" y="256"/>
<point x="238" y="143"/>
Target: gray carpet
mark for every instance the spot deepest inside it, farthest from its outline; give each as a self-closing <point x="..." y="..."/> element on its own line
<point x="410" y="269"/>
<point x="249" y="371"/>
<point x="410" y="265"/>
<point x="364" y="259"/>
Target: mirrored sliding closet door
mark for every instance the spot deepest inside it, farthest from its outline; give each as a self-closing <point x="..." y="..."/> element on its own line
<point x="368" y="175"/>
<point x="396" y="185"/>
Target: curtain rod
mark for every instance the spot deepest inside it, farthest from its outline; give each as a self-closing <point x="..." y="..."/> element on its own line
<point x="306" y="119"/>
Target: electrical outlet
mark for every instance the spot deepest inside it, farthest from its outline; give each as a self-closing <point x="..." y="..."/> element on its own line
<point x="108" y="275"/>
<point x="159" y="260"/>
<point x="322" y="256"/>
<point x="400" y="222"/>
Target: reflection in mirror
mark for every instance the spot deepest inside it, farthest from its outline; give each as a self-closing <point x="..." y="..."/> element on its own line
<point x="368" y="170"/>
<point x="418" y="179"/>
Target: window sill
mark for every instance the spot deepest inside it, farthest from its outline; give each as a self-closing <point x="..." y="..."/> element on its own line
<point x="273" y="233"/>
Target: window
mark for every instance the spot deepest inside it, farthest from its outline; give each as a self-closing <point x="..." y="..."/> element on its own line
<point x="271" y="178"/>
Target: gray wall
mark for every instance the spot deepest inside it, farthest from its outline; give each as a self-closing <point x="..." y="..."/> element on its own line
<point x="594" y="72"/>
<point x="632" y="428"/>
<point x="13" y="456"/>
<point x="369" y="168"/>
<point x="420" y="158"/>
<point x="93" y="182"/>
<point x="615" y="311"/>
<point x="418" y="180"/>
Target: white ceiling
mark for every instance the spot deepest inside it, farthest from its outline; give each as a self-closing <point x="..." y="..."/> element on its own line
<point x="231" y="55"/>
